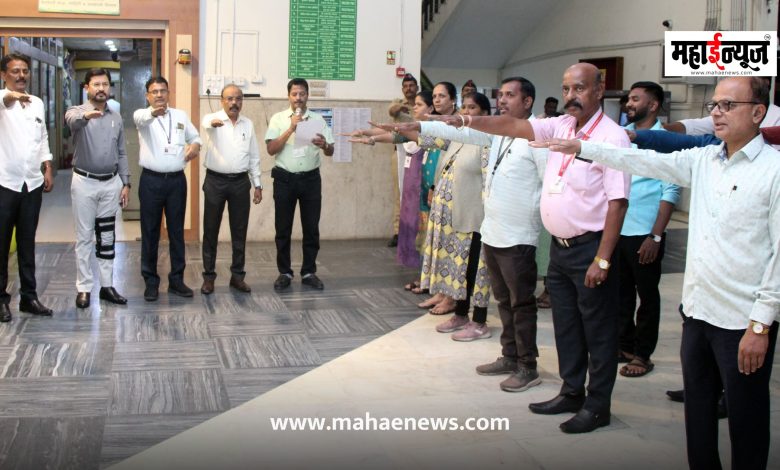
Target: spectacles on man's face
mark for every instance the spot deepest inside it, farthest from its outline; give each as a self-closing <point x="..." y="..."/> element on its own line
<point x="725" y="106"/>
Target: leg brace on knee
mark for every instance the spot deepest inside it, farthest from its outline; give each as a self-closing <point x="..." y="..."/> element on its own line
<point x="104" y="237"/>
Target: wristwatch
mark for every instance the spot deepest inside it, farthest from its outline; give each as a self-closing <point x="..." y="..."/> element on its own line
<point x="759" y="328"/>
<point x="603" y="264"/>
<point x="128" y="186"/>
<point x="655" y="238"/>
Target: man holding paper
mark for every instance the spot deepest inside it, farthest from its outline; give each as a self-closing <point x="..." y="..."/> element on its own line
<point x="294" y="138"/>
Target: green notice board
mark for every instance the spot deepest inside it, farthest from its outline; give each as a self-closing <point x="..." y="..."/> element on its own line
<point x="323" y="35"/>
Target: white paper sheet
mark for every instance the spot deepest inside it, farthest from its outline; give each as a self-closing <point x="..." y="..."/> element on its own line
<point x="346" y="120"/>
<point x="306" y="131"/>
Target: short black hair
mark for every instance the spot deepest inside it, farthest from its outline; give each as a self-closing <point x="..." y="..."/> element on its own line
<point x="157" y="79"/>
<point x="7" y="59"/>
<point x="551" y="99"/>
<point x="409" y="78"/>
<point x="450" y="89"/>
<point x="299" y="82"/>
<point x="653" y="89"/>
<point x="760" y="90"/>
<point x="526" y="87"/>
<point x="96" y="72"/>
<point x="480" y="100"/>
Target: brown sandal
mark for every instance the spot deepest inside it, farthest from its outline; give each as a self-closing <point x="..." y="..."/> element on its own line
<point x="637" y="367"/>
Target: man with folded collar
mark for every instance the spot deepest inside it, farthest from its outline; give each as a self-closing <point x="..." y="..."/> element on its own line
<point x="24" y="149"/>
<point x="100" y="185"/>
<point x="297" y="181"/>
<point x="232" y="159"/>
<point x="168" y="141"/>
<point x="583" y="205"/>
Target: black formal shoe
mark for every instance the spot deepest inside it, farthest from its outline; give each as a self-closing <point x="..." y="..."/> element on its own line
<point x="151" y="293"/>
<point x="35" y="307"/>
<point x="109" y="294"/>
<point x="313" y="281"/>
<point x="240" y="285"/>
<point x="82" y="300"/>
<point x="559" y="404"/>
<point x="585" y="421"/>
<point x="676" y="395"/>
<point x="180" y="289"/>
<point x="393" y="241"/>
<point x="5" y="313"/>
<point x="282" y="282"/>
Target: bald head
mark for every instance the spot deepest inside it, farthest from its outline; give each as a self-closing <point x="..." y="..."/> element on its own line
<point x="582" y="91"/>
<point x="232" y="101"/>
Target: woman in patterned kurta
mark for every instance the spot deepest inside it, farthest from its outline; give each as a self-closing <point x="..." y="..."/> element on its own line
<point x="452" y="262"/>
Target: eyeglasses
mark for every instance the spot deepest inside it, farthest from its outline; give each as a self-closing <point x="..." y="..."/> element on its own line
<point x="158" y="92"/>
<point x="724" y="106"/>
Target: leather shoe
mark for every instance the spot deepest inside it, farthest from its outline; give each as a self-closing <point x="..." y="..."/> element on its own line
<point x="282" y="282"/>
<point x="313" y="281"/>
<point x="558" y="405"/>
<point x="676" y="395"/>
<point x="5" y="313"/>
<point x="109" y="294"/>
<point x="35" y="307"/>
<point x="585" y="421"/>
<point x="180" y="289"/>
<point x="82" y="300"/>
<point x="239" y="285"/>
<point x="151" y="293"/>
<point x="208" y="287"/>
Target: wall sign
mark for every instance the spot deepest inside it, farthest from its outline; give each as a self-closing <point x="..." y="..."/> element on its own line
<point x="323" y="37"/>
<point x="89" y="7"/>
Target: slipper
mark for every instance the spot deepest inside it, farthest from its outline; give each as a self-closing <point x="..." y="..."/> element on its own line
<point x="418" y="290"/>
<point x="427" y="304"/>
<point x="624" y="357"/>
<point x="644" y="367"/>
<point x="412" y="285"/>
<point x="433" y="311"/>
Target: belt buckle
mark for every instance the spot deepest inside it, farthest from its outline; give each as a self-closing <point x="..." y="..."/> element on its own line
<point x="563" y="242"/>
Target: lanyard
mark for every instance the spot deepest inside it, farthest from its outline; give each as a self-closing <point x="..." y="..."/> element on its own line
<point x="567" y="161"/>
<point x="167" y="134"/>
<point x="501" y="154"/>
<point x="451" y="161"/>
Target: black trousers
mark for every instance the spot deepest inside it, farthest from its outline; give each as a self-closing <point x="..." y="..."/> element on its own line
<point x="291" y="189"/>
<point x="235" y="191"/>
<point x="709" y="363"/>
<point x="160" y="192"/>
<point x="512" y="274"/>
<point x="20" y="210"/>
<point x="639" y="337"/>
<point x="585" y="321"/>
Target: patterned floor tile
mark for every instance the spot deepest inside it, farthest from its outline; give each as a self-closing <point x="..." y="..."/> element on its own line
<point x="168" y="392"/>
<point x="167" y="327"/>
<point x="59" y="360"/>
<point x="242" y="352"/>
<point x="165" y="355"/>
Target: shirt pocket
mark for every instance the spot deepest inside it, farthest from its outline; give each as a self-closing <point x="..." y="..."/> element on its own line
<point x="179" y="137"/>
<point x="578" y="175"/>
<point x="36" y="126"/>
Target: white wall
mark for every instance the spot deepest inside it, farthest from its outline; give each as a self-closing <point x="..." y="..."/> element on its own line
<point x="262" y="28"/>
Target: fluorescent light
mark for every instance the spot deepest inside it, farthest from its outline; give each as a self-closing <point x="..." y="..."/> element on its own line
<point x="109" y="42"/>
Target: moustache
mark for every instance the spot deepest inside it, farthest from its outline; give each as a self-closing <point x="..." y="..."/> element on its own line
<point x="574" y="103"/>
<point x="234" y="108"/>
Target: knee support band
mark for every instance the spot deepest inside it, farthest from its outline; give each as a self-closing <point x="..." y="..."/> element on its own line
<point x="104" y="237"/>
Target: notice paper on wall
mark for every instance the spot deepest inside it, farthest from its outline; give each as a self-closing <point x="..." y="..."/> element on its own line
<point x="346" y="120"/>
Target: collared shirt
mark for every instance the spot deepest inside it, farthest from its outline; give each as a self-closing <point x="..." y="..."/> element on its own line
<point x="702" y="126"/>
<point x="588" y="187"/>
<point x="732" y="273"/>
<point x="99" y="143"/>
<point x="25" y="144"/>
<point x="290" y="159"/>
<point x="646" y="197"/>
<point x="512" y="194"/>
<point x="231" y="148"/>
<point x="162" y="139"/>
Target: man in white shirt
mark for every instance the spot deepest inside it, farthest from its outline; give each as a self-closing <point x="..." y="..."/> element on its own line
<point x="232" y="154"/>
<point x="24" y="147"/>
<point x="731" y="291"/>
<point x="168" y="141"/>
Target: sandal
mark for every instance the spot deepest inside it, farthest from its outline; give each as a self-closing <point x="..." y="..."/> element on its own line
<point x="412" y="285"/>
<point x="431" y="302"/>
<point x="637" y="367"/>
<point x="624" y="357"/>
<point x="418" y="290"/>
<point x="444" y="307"/>
<point x="543" y="301"/>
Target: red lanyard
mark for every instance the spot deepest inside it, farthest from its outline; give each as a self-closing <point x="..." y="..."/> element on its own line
<point x="567" y="161"/>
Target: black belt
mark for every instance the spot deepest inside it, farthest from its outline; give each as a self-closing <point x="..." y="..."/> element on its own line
<point x="227" y="176"/>
<point x="163" y="175"/>
<point x="94" y="176"/>
<point x="285" y="175"/>
<point x="578" y="240"/>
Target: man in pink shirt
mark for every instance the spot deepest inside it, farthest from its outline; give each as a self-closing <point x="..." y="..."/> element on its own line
<point x="583" y="205"/>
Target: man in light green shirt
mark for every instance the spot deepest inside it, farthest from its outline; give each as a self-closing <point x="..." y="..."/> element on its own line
<point x="297" y="181"/>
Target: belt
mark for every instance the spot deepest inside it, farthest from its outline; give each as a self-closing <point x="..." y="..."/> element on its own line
<point x="578" y="240"/>
<point x="227" y="176"/>
<point x="163" y="175"/>
<point x="94" y="176"/>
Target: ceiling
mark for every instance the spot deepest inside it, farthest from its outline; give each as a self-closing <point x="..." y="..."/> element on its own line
<point x="484" y="34"/>
<point x="93" y="44"/>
